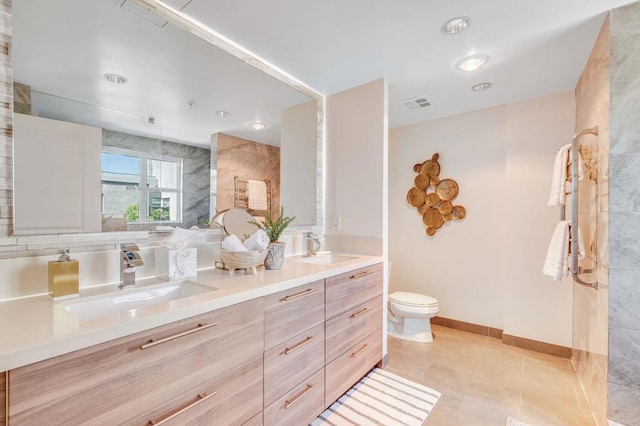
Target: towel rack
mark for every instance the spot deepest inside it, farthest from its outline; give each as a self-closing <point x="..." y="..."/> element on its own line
<point x="241" y="196"/>
<point x="576" y="270"/>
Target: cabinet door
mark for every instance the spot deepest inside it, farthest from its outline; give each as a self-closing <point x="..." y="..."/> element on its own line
<point x="288" y="363"/>
<point x="290" y="312"/>
<point x="346" y="329"/>
<point x="3" y="398"/>
<point x="348" y="368"/>
<point x="232" y="398"/>
<point x="114" y="382"/>
<point x="57" y="176"/>
<point x="346" y="291"/>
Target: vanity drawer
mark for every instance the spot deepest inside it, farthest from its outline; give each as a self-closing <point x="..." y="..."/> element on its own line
<point x="290" y="312"/>
<point x="232" y="398"/>
<point x="116" y="381"/>
<point x="288" y="363"/>
<point x="351" y="366"/>
<point x="346" y="291"/>
<point x="348" y="328"/>
<point x="300" y="405"/>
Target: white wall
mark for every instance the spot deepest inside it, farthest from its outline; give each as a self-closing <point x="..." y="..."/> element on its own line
<point x="356" y="138"/>
<point x="298" y="152"/>
<point x="486" y="269"/>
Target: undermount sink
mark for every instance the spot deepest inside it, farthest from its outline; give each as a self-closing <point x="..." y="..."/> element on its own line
<point x="326" y="259"/>
<point x="127" y="301"/>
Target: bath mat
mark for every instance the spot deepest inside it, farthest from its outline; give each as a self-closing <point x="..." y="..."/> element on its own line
<point x="381" y="398"/>
<point x="513" y="422"/>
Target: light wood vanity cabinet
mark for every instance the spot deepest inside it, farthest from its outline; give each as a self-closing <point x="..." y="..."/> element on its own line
<point x="292" y="361"/>
<point x="3" y="398"/>
<point x="300" y="405"/>
<point x="290" y="312"/>
<point x="125" y="379"/>
<point x="353" y="329"/>
<point x="229" y="399"/>
<point x="348" y="290"/>
<point x="258" y="362"/>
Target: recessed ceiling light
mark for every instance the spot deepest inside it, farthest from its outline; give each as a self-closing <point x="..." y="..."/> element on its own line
<point x="455" y="25"/>
<point x="256" y="125"/>
<point x="472" y="62"/>
<point x="482" y="86"/>
<point x="115" y="78"/>
<point x="222" y="113"/>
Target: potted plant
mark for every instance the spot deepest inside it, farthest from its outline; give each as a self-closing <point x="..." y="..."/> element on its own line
<point x="273" y="228"/>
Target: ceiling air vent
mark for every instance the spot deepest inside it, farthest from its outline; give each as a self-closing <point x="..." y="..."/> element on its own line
<point x="415" y="103"/>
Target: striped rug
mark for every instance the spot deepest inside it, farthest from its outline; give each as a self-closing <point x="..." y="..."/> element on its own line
<point x="381" y="398"/>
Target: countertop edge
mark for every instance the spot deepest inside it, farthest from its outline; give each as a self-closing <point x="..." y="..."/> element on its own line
<point x="32" y="352"/>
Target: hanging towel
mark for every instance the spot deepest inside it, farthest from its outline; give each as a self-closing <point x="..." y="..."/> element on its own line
<point x="556" y="264"/>
<point x="257" y="194"/>
<point x="559" y="179"/>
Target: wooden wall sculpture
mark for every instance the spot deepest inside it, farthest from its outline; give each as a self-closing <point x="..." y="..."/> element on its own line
<point x="434" y="197"/>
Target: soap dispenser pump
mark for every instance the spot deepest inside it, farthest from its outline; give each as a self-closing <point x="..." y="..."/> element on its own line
<point x="63" y="277"/>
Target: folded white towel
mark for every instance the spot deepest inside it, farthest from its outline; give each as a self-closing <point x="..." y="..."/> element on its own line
<point x="559" y="179"/>
<point x="257" y="241"/>
<point x="233" y="243"/>
<point x="556" y="264"/>
<point x="257" y="194"/>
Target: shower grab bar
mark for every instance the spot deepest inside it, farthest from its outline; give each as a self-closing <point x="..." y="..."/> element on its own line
<point x="576" y="270"/>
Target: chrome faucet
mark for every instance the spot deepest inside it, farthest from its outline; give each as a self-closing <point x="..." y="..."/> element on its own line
<point x="313" y="244"/>
<point x="129" y="259"/>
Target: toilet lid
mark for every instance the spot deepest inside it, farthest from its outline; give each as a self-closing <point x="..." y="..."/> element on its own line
<point x="412" y="299"/>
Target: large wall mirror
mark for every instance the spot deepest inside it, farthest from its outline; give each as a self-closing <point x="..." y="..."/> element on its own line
<point x="155" y="136"/>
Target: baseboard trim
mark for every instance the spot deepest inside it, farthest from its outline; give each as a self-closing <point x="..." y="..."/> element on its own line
<point x="536" y="346"/>
<point x="520" y="342"/>
<point x="482" y="330"/>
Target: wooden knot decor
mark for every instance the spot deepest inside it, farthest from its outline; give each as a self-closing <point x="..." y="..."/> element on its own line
<point x="435" y="207"/>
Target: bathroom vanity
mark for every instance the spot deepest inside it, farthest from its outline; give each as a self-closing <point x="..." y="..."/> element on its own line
<point x="276" y="348"/>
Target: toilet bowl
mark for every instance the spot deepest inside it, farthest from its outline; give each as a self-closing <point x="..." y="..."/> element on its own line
<point x="410" y="316"/>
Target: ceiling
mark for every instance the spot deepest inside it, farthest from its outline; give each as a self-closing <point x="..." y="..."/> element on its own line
<point x="535" y="48"/>
<point x="173" y="76"/>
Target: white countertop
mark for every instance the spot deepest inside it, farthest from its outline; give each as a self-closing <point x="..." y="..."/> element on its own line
<point x="36" y="328"/>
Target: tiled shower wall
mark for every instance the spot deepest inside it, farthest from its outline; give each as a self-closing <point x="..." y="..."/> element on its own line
<point x="624" y="220"/>
<point x="590" y="307"/>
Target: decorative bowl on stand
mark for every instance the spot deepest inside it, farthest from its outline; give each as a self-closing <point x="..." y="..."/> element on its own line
<point x="247" y="260"/>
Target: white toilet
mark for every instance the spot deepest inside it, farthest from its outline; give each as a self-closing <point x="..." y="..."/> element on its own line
<point x="410" y="316"/>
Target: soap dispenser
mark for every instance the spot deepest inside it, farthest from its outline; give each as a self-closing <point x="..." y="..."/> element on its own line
<point x="63" y="277"/>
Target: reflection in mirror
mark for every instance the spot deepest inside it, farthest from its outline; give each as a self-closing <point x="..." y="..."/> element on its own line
<point x="180" y="94"/>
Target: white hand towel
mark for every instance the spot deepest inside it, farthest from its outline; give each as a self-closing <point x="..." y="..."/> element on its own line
<point x="556" y="264"/>
<point x="257" y="241"/>
<point x="233" y="243"/>
<point x="257" y="194"/>
<point x="559" y="179"/>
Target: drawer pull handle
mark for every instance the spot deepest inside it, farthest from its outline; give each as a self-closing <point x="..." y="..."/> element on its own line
<point x="301" y="294"/>
<point x="360" y="312"/>
<point x="289" y="402"/>
<point x="360" y="275"/>
<point x="359" y="351"/>
<point x="298" y="345"/>
<point x="153" y="343"/>
<point x="200" y="398"/>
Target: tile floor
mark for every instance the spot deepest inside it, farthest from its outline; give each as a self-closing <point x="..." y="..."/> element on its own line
<point x="483" y="381"/>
